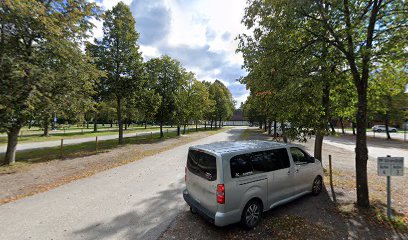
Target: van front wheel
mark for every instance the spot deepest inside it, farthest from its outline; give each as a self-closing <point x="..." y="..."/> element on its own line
<point x="251" y="215"/>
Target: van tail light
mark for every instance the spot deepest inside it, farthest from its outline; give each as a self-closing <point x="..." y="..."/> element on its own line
<point x="220" y="193"/>
<point x="185" y="174"/>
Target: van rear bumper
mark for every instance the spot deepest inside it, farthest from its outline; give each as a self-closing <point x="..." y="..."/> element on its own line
<point x="197" y="206"/>
<point x="218" y="218"/>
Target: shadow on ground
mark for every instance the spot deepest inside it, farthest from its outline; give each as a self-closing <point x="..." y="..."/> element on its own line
<point x="149" y="223"/>
<point x="308" y="217"/>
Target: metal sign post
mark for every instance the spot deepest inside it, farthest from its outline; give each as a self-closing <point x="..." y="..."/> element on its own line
<point x="390" y="166"/>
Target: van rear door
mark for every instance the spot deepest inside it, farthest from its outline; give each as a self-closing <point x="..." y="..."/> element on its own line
<point x="201" y="178"/>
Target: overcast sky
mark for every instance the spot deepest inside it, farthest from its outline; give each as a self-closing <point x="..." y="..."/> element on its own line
<point x="199" y="33"/>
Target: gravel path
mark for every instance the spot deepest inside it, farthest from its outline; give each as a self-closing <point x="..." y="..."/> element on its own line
<point x="133" y="201"/>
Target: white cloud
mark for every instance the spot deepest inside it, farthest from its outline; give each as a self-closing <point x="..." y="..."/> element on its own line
<point x="149" y="52"/>
<point x="241" y="99"/>
<point x="199" y="33"/>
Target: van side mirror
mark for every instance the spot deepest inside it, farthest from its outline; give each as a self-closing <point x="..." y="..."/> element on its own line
<point x="312" y="160"/>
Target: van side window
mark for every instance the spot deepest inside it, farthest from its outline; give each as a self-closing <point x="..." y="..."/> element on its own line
<point x="277" y="159"/>
<point x="241" y="166"/>
<point x="259" y="162"/>
<point x="299" y="157"/>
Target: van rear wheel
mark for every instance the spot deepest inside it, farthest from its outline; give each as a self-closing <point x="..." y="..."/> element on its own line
<point x="317" y="186"/>
<point x="251" y="215"/>
<point x="193" y="210"/>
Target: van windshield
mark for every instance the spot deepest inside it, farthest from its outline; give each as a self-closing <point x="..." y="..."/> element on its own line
<point x="202" y="164"/>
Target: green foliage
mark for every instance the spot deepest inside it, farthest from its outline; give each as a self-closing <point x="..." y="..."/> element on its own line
<point x="165" y="77"/>
<point x="42" y="67"/>
<point x="118" y="56"/>
<point x="223" y="101"/>
<point x="303" y="58"/>
<point x="118" y="53"/>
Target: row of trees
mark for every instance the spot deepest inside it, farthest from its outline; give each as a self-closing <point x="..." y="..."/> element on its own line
<point x="311" y="62"/>
<point x="47" y="66"/>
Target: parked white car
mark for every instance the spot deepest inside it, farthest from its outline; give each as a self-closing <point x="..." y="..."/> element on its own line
<point x="381" y="128"/>
<point x="229" y="182"/>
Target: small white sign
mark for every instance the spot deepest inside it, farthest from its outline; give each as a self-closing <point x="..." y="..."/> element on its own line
<point x="390" y="166"/>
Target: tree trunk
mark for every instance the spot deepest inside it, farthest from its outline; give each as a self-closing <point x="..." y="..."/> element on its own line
<point x="95" y="126"/>
<point x="269" y="127"/>
<point x="205" y="125"/>
<point x="318" y="146"/>
<point x="211" y="124"/>
<point x="184" y="129"/>
<point x="332" y="127"/>
<point x="120" y="121"/>
<point x="260" y="125"/>
<point x="111" y="124"/>
<point x="161" y="130"/>
<point x="46" y="125"/>
<point x="178" y="130"/>
<point x="387" y="123"/>
<point x="196" y="123"/>
<point x="353" y="126"/>
<point x="87" y="124"/>
<point x="275" y="133"/>
<point x="361" y="147"/>
<point x="12" y="139"/>
<point x="126" y="125"/>
<point x="285" y="138"/>
<point x="265" y="126"/>
<point x="342" y="126"/>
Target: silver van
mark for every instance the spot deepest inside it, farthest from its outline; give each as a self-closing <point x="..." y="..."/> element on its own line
<point x="229" y="182"/>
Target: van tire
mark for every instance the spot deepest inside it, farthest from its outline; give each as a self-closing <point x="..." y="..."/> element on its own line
<point x="193" y="210"/>
<point x="317" y="186"/>
<point x="251" y="215"/>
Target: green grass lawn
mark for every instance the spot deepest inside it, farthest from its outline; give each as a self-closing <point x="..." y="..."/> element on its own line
<point x="73" y="135"/>
<point x="83" y="149"/>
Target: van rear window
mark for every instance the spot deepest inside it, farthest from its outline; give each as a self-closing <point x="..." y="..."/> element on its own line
<point x="202" y="164"/>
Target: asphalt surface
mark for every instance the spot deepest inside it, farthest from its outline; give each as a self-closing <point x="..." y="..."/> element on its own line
<point x="46" y="144"/>
<point x="374" y="150"/>
<point x="400" y="135"/>
<point x="135" y="201"/>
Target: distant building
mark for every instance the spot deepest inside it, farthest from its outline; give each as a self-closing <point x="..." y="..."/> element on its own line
<point x="238" y="115"/>
<point x="237" y="119"/>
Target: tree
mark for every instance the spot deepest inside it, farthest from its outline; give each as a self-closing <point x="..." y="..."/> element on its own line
<point x="119" y="58"/>
<point x="386" y="93"/>
<point x="193" y="100"/>
<point x="149" y="100"/>
<point x="224" y="103"/>
<point x="360" y="32"/>
<point x="166" y="74"/>
<point x="37" y="39"/>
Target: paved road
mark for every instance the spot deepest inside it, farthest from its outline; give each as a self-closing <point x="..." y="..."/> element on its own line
<point x="398" y="135"/>
<point x="35" y="145"/>
<point x="374" y="149"/>
<point x="134" y="201"/>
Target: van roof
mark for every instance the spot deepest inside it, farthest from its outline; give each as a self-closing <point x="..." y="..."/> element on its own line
<point x="227" y="147"/>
